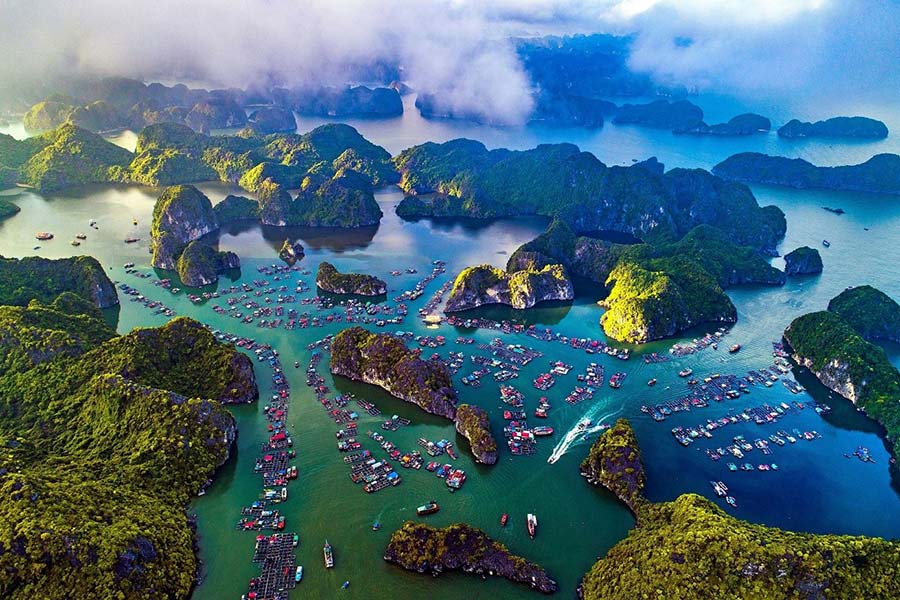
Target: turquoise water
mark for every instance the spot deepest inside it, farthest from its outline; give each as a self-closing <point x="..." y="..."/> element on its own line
<point x="815" y="489"/>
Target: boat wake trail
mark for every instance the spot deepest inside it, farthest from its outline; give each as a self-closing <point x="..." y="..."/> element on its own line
<point x="577" y="434"/>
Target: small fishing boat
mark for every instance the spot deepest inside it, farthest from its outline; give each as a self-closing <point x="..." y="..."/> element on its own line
<point x="826" y="243"/>
<point x="542" y="430"/>
<point x="329" y="555"/>
<point x="296" y="540"/>
<point x="735" y="348"/>
<point x="685" y="372"/>
<point x="133" y="220"/>
<point x="131" y="240"/>
<point x="81" y="236"/>
<point x="731" y="501"/>
<point x="44" y="235"/>
<point x="376" y="525"/>
<point x="504" y="519"/>
<point x="531" y="521"/>
<point x="299" y="574"/>
<point x="75" y="243"/>
<point x="652" y="382"/>
<point x="428" y="508"/>
<point x="345" y="585"/>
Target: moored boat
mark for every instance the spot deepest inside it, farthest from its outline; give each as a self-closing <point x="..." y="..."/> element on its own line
<point x="685" y="372"/>
<point x="329" y="555"/>
<point x="428" y="508"/>
<point x="298" y="575"/>
<point x="542" y="430"/>
<point x="44" y="235"/>
<point x="504" y="518"/>
<point x="735" y="348"/>
<point x="531" y="521"/>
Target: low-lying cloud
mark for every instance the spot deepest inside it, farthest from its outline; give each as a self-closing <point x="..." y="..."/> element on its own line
<point x="458" y="50"/>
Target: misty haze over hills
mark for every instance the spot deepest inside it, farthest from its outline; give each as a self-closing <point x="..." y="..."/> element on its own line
<point x="466" y="55"/>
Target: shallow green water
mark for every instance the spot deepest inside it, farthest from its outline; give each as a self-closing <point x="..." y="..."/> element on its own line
<point x="815" y="489"/>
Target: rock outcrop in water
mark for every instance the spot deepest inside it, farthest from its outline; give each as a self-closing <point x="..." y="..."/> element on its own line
<point x="385" y="361"/>
<point x="331" y="280"/>
<point x="660" y="113"/>
<point x="358" y="101"/>
<point x="827" y="344"/>
<point x="291" y="252"/>
<point x="181" y="214"/>
<point x="473" y="423"/>
<point x="803" y="261"/>
<point x="745" y="124"/>
<point x="836" y="127"/>
<point x="614" y="462"/>
<point x="233" y="209"/>
<point x="216" y="113"/>
<point x="272" y="120"/>
<point x="460" y="547"/>
<point x="879" y="175"/>
<point x="871" y="312"/>
<point x="200" y="264"/>
<point x="484" y="284"/>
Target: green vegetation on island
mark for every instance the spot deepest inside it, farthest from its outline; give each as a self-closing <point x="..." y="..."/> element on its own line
<point x="660" y="113"/>
<point x="463" y="178"/>
<point x="655" y="289"/>
<point x="34" y="278"/>
<point x="484" y="284"/>
<point x="331" y="280"/>
<point x="689" y="549"/>
<point x="106" y="438"/>
<point x="7" y="208"/>
<point x="236" y="208"/>
<point x="461" y="547"/>
<point x="745" y="124"/>
<point x="614" y="461"/>
<point x="835" y="127"/>
<point x="385" y="361"/>
<point x="879" y="175"/>
<point x="871" y="312"/>
<point x="836" y="353"/>
<point x="473" y="423"/>
<point x="182" y="214"/>
<point x="200" y="264"/>
<point x="803" y="261"/>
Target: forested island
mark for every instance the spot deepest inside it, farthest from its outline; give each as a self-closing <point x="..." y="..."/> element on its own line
<point x="484" y="284"/>
<point x="833" y="345"/>
<point x="878" y="175"/>
<point x="460" y="547"/>
<point x="668" y="554"/>
<point x="329" y="279"/>
<point x="835" y="127"/>
<point x="462" y="178"/>
<point x="106" y="438"/>
<point x="654" y="290"/>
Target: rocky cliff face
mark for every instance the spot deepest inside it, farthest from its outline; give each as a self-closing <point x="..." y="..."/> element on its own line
<point x="614" y="462"/>
<point x="385" y="361"/>
<point x="871" y="312"/>
<point x="200" y="264"/>
<point x="484" y="284"/>
<point x="181" y="214"/>
<point x="460" y="547"/>
<point x="803" y="261"/>
<point x="331" y="280"/>
<point x="272" y="120"/>
<point x="473" y="423"/>
<point x="291" y="252"/>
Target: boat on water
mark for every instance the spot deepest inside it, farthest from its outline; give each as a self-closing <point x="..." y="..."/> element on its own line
<point x="131" y="240"/>
<point x="531" y="521"/>
<point x="731" y="501"/>
<point x="329" y="555"/>
<point x="75" y="243"/>
<point x="542" y="430"/>
<point x="735" y="348"/>
<point x="44" y="235"/>
<point x="583" y="424"/>
<point x="376" y="525"/>
<point x="652" y="382"/>
<point x="685" y="372"/>
<point x="504" y="519"/>
<point x="81" y="236"/>
<point x="345" y="585"/>
<point x="298" y="575"/>
<point x="296" y="540"/>
<point x="826" y="243"/>
<point x="428" y="508"/>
